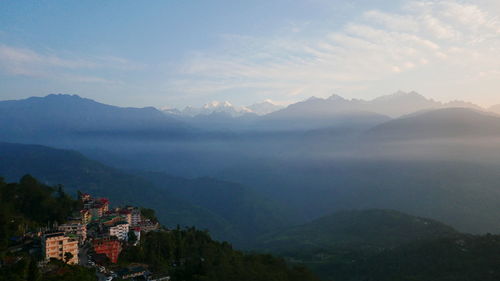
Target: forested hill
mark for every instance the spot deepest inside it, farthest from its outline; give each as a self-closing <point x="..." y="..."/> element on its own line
<point x="231" y="212"/>
<point x="386" y="245"/>
<point x="184" y="254"/>
<point x="372" y="229"/>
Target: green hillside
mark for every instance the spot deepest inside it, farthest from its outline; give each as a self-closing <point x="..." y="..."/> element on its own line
<point x="372" y="230"/>
<point x="386" y="245"/>
<point x="76" y="172"/>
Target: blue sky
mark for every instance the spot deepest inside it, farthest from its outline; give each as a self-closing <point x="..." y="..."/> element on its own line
<point x="178" y="53"/>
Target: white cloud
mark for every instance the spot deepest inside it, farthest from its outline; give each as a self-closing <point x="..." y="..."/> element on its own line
<point x="426" y="38"/>
<point x="26" y="62"/>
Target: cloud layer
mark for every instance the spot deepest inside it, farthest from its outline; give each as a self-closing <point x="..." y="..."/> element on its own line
<point x="426" y="45"/>
<point x="26" y="62"/>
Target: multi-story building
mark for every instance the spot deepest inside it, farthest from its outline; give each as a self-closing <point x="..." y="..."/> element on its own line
<point x="57" y="244"/>
<point x="85" y="216"/>
<point x="77" y="229"/>
<point x="127" y="215"/>
<point x="148" y="225"/>
<point x="119" y="230"/>
<point x="98" y="207"/>
<point x="110" y="246"/>
<point x="84" y="197"/>
<point x="136" y="217"/>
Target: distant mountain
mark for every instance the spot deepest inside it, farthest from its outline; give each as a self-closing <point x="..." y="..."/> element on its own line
<point x="264" y="107"/>
<point x="216" y="107"/>
<point x="225" y="107"/>
<point x="441" y="123"/>
<point x="59" y="116"/>
<point x="372" y="230"/>
<point x="495" y="109"/>
<point x="395" y="105"/>
<point x="315" y="113"/>
<point x="232" y="212"/>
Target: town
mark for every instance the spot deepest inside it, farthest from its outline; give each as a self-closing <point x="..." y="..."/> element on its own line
<point x="94" y="237"/>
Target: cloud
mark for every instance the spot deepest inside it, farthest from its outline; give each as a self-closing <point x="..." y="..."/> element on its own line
<point x="425" y="38"/>
<point x="26" y="62"/>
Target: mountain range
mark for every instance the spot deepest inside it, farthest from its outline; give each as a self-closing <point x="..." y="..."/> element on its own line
<point x="226" y="107"/>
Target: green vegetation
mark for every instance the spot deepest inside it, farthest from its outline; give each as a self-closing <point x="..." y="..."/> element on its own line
<point x="27" y="205"/>
<point x="26" y="270"/>
<point x="459" y="258"/>
<point x="386" y="245"/>
<point x="149" y="214"/>
<point x="191" y="255"/>
<point x="371" y="230"/>
<point x="24" y="207"/>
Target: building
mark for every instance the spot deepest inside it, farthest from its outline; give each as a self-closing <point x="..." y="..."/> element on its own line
<point x="57" y="244"/>
<point x="110" y="247"/>
<point x="119" y="230"/>
<point x="132" y="272"/>
<point x="77" y="229"/>
<point x="136" y="217"/>
<point x="148" y="225"/>
<point x="85" y="216"/>
<point x="126" y="214"/>
<point x="98" y="207"/>
<point x="84" y="197"/>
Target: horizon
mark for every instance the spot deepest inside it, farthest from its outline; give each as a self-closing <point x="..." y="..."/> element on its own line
<point x="189" y="54"/>
<point x="399" y="92"/>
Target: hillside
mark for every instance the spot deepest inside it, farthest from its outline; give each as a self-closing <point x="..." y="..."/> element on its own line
<point x="77" y="172"/>
<point x="371" y="230"/>
<point x="245" y="209"/>
<point x="441" y="123"/>
<point x="184" y="254"/>
<point x="386" y="245"/>
<point x="460" y="257"/>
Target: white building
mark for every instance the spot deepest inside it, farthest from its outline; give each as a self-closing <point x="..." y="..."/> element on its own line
<point x="119" y="230"/>
<point x="136" y="217"/>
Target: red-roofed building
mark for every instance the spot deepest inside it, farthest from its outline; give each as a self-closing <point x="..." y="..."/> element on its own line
<point x="111" y="247"/>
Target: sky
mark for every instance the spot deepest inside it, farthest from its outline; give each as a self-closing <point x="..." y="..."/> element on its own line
<point x="176" y="53"/>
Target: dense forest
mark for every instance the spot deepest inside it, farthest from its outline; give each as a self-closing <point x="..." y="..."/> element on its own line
<point x="386" y="245"/>
<point x="191" y="255"/>
<point x="24" y="207"/>
<point x="28" y="205"/>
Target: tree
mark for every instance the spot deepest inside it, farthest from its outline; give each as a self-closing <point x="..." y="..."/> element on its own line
<point x="68" y="256"/>
<point x="132" y="238"/>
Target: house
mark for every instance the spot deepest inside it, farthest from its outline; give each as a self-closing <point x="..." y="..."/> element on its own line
<point x="136" y="217"/>
<point x="119" y="230"/>
<point x="132" y="272"/>
<point x="85" y="216"/>
<point x="109" y="246"/>
<point x="56" y="245"/>
<point x="80" y="230"/>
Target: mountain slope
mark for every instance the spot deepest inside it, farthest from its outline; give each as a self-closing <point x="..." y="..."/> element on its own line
<point x="441" y="123"/>
<point x="65" y="115"/>
<point x="239" y="205"/>
<point x="76" y="172"/>
<point x="374" y="229"/>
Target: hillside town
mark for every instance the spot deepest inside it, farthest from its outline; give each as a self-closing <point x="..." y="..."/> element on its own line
<point x="94" y="237"/>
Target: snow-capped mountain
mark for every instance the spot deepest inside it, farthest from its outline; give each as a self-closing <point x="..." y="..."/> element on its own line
<point x="225" y="107"/>
<point x="216" y="107"/>
<point x="264" y="107"/>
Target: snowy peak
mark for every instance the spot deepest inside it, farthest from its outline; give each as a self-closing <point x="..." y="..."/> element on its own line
<point x="264" y="107"/>
<point x="226" y="108"/>
<point x="216" y="107"/>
